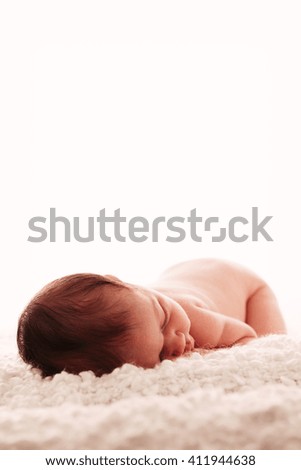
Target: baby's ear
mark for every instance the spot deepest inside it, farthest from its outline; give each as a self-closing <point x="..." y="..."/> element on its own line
<point x="113" y="278"/>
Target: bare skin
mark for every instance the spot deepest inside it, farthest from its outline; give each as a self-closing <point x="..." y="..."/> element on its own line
<point x="203" y="303"/>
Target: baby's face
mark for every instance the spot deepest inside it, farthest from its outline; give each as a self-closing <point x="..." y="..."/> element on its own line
<point x="161" y="327"/>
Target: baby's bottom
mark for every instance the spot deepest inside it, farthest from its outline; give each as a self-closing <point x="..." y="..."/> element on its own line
<point x="263" y="312"/>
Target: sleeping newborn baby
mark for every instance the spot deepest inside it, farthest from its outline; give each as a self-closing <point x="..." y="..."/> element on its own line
<point x="93" y="322"/>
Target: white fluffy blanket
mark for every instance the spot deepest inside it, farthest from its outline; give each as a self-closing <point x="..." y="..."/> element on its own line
<point x="246" y="397"/>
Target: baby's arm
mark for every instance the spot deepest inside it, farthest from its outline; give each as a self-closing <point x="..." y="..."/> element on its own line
<point x="211" y="329"/>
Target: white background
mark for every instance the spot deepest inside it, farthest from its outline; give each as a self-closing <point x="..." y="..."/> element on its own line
<point x="155" y="108"/>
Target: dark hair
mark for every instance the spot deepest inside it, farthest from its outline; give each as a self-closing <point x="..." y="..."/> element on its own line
<point x="75" y="324"/>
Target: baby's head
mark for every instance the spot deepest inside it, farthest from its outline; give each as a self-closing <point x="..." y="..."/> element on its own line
<point x="91" y="322"/>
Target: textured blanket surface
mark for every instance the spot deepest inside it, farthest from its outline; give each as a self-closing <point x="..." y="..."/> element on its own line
<point x="245" y="397"/>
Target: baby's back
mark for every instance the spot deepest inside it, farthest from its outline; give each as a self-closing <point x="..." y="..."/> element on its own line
<point x="221" y="286"/>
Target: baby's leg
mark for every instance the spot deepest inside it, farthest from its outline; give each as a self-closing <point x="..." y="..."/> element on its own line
<point x="263" y="312"/>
